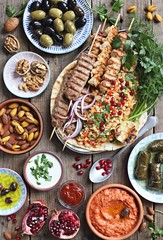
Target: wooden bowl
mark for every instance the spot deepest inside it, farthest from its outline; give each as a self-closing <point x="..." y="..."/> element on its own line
<point x="21" y="126"/>
<point x="110" y="211"/>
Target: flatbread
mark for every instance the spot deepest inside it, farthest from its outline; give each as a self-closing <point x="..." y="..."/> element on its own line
<point x="108" y="146"/>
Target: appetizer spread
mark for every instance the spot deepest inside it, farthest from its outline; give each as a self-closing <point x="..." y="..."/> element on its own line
<point x="93" y="97"/>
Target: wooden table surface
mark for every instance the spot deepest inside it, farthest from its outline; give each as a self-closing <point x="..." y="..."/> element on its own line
<point x="42" y="102"/>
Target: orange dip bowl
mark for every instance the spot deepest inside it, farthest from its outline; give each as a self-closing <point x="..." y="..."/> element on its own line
<point x="114" y="212"/>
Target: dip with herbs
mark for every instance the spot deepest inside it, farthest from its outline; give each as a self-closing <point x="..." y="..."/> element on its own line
<point x="43" y="170"/>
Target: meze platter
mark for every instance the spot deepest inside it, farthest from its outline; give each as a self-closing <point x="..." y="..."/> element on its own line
<point x="97" y="101"/>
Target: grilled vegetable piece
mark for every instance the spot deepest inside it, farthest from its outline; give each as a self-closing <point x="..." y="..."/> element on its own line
<point x="159" y="157"/>
<point x="142" y="163"/>
<point x="155" y="176"/>
<point x="156" y="146"/>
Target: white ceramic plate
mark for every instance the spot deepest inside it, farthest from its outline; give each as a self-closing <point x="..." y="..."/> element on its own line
<point x="141" y="185"/>
<point x="12" y="79"/>
<point x="79" y="38"/>
<point x="11" y="176"/>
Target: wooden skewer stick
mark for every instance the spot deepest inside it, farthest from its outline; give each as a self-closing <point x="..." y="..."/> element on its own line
<point x="94" y="39"/>
<point x="119" y="15"/>
<point x="65" y="143"/>
<point x="52" y="133"/>
<point x="103" y="25"/>
<point x="131" y="24"/>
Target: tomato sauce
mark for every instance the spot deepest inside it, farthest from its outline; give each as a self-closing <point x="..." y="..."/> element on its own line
<point x="71" y="193"/>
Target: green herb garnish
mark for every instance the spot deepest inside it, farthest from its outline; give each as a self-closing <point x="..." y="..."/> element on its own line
<point x="116" y="43"/>
<point x="103" y="13"/>
<point x="142" y="49"/>
<point x="12" y="12"/>
<point x="41" y="169"/>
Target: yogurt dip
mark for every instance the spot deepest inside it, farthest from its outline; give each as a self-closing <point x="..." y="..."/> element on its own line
<point x="43" y="170"/>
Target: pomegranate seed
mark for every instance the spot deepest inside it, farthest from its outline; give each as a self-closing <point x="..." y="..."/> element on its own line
<point x="112" y="99"/>
<point x="77" y="158"/>
<point x="121" y="94"/>
<point x="131" y="93"/>
<point x="113" y="112"/>
<point x="82" y="165"/>
<point x="127" y="84"/>
<point x="18" y="238"/>
<point x="102" y="128"/>
<point x="80" y="172"/>
<point x="113" y="82"/>
<point x="125" y="97"/>
<point x="123" y="102"/>
<point x="88" y="161"/>
<point x="78" y="166"/>
<point x="114" y="104"/>
<point x="105" y="168"/>
<point x="17" y="228"/>
<point x="101" y="162"/>
<point x="119" y="113"/>
<point x="98" y="167"/>
<point x="109" y="165"/>
<point x="90" y="121"/>
<point x="118" y="104"/>
<point x="11" y="216"/>
<point x="121" y="80"/>
<point x="122" y="87"/>
<point x="14" y="220"/>
<point x="108" y="160"/>
<point x="75" y="165"/>
<point x="86" y="165"/>
<point x="103" y="173"/>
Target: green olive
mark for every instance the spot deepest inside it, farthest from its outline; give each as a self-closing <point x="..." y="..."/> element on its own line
<point x="55" y="1"/>
<point x="58" y="25"/>
<point x="38" y="14"/>
<point x="46" y="40"/>
<point x="68" y="39"/>
<point x="55" y="13"/>
<point x="69" y="15"/>
<point x="70" y="27"/>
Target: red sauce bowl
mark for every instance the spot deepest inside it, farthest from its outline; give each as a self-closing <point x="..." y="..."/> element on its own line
<point x="71" y="194"/>
<point x="105" y="213"/>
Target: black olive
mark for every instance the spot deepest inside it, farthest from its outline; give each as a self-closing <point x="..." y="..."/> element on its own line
<point x="125" y="212"/>
<point x="80" y="22"/>
<point x="13" y="186"/>
<point x="35" y="6"/>
<point x="49" y="30"/>
<point x="4" y="191"/>
<point x="37" y="33"/>
<point x="71" y="4"/>
<point x="34" y="24"/>
<point x="45" y="5"/>
<point x="57" y="38"/>
<point x="8" y="200"/>
<point x="78" y="11"/>
<point x="47" y="21"/>
<point x="62" y="6"/>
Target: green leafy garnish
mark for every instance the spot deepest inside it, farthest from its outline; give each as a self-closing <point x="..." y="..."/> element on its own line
<point x="12" y="12"/>
<point x="143" y="50"/>
<point x="103" y="13"/>
<point x="156" y="231"/>
<point x="41" y="169"/>
<point x="116" y="43"/>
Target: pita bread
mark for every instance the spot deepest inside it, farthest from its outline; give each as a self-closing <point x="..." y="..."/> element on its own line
<point x="108" y="146"/>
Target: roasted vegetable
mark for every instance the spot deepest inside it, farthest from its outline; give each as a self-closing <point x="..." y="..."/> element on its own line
<point x="156" y="146"/>
<point x="141" y="169"/>
<point x="155" y="176"/>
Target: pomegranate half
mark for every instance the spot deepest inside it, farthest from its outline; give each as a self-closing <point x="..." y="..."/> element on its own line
<point x="35" y="217"/>
<point x="64" y="224"/>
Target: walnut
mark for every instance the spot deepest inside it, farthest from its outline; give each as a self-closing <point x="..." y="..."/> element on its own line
<point x="11" y="44"/>
<point x="22" y="67"/>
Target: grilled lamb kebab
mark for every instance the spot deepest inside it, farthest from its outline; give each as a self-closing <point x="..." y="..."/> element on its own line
<point x="103" y="57"/>
<point x="79" y="76"/>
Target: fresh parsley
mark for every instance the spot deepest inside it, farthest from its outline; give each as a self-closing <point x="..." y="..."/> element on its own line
<point x="103" y="13"/>
<point x="41" y="169"/>
<point x="156" y="231"/>
<point x="12" y="12"/>
<point x="116" y="43"/>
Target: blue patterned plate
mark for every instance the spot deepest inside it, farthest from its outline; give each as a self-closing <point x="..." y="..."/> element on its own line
<point x="79" y="38"/>
<point x="141" y="185"/>
<point x="7" y="176"/>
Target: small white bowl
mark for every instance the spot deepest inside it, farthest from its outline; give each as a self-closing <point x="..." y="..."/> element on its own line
<point x="55" y="172"/>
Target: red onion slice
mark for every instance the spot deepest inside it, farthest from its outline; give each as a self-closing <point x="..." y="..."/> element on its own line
<point x="78" y="115"/>
<point x="77" y="130"/>
<point x="84" y="107"/>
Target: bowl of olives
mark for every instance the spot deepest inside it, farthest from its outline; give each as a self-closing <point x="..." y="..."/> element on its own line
<point x="57" y="26"/>
<point x="13" y="192"/>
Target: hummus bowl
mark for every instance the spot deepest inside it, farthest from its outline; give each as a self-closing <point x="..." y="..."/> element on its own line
<point x="114" y="212"/>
